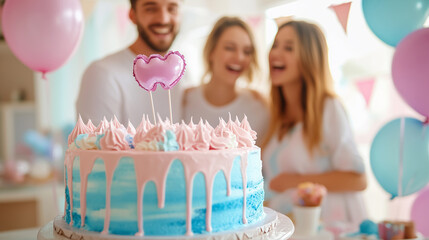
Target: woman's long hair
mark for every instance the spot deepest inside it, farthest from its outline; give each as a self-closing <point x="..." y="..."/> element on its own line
<point x="212" y="40"/>
<point x="316" y="85"/>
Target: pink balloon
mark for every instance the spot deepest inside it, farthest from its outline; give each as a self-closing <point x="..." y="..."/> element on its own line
<point x="156" y="69"/>
<point x="43" y="34"/>
<point x="410" y="70"/>
<point x="420" y="212"/>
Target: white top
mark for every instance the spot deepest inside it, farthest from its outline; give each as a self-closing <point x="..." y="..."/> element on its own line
<point x="244" y="104"/>
<point x="337" y="152"/>
<point x="109" y="88"/>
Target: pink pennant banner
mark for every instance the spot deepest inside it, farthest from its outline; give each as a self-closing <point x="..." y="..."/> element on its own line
<point x="122" y="18"/>
<point x="254" y="21"/>
<point x="365" y="87"/>
<point x="342" y="12"/>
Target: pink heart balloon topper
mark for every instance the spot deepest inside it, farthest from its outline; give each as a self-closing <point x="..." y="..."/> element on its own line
<point x="156" y="69"/>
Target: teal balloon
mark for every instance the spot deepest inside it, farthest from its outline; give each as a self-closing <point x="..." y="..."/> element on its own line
<point x="385" y="156"/>
<point x="392" y="20"/>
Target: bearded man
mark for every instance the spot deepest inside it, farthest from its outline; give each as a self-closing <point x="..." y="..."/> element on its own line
<point x="108" y="87"/>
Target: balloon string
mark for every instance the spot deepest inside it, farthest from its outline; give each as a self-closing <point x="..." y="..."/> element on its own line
<point x="169" y="101"/>
<point x="401" y="154"/>
<point x="153" y="108"/>
<point x="51" y="155"/>
<point x="48" y="101"/>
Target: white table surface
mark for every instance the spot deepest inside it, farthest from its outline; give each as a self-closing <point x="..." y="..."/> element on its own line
<point x="23" y="234"/>
<point x="321" y="235"/>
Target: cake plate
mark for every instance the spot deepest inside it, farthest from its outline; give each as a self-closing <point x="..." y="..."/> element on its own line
<point x="275" y="226"/>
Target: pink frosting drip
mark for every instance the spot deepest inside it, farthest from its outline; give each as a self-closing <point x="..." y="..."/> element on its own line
<point x="85" y="168"/>
<point x="80" y="128"/>
<point x="114" y="139"/>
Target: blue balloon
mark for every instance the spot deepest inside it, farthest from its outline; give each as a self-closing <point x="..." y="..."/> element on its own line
<point x="40" y="144"/>
<point x="392" y="20"/>
<point x="385" y="156"/>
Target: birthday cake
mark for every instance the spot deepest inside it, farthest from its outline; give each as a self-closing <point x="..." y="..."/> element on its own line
<point x="162" y="179"/>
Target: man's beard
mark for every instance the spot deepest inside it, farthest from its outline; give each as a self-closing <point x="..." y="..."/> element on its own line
<point x="162" y="47"/>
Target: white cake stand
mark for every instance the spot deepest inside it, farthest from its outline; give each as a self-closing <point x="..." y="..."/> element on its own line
<point x="275" y="226"/>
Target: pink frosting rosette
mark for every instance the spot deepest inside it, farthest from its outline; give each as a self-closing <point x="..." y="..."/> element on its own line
<point x="149" y="140"/>
<point x="185" y="137"/>
<point x="246" y="126"/>
<point x="244" y="138"/>
<point x="208" y="126"/>
<point x="116" y="123"/>
<point x="155" y="133"/>
<point x="202" y="137"/>
<point x="145" y="125"/>
<point x="191" y="124"/>
<point x="102" y="126"/>
<point x="130" y="129"/>
<point x="80" y="128"/>
<point x="90" y="125"/>
<point x="223" y="138"/>
<point x="114" y="139"/>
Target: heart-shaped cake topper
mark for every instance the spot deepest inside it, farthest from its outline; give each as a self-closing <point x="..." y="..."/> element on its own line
<point x="156" y="69"/>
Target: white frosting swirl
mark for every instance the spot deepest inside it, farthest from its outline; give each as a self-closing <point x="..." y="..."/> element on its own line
<point x="147" y="146"/>
<point x="87" y="142"/>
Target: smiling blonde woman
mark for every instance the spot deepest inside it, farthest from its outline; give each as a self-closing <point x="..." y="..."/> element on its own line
<point x="309" y="139"/>
<point x="229" y="54"/>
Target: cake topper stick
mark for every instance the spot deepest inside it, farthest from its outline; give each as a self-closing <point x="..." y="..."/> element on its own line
<point x="156" y="69"/>
<point x="153" y="108"/>
<point x="169" y="102"/>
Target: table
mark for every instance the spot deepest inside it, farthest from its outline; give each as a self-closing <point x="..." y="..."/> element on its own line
<point x="24" y="234"/>
<point x="321" y="235"/>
